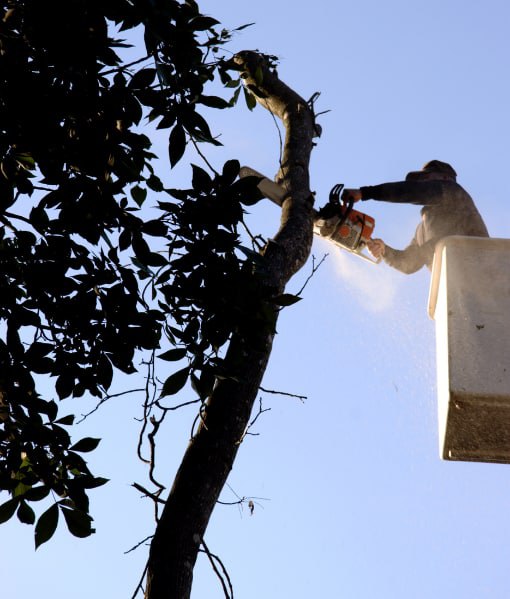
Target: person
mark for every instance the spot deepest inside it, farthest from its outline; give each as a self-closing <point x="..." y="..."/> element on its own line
<point x="447" y="210"/>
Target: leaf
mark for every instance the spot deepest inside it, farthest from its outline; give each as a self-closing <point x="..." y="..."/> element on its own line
<point x="201" y="23"/>
<point x="233" y="83"/>
<point x="235" y="97"/>
<point x="25" y="160"/>
<point x="243" y="27"/>
<point x="142" y="79"/>
<point x="155" y="183"/>
<point x="175" y="382"/>
<point x="251" y="102"/>
<point x="7" y="509"/>
<point x="37" y="493"/>
<point x="247" y="191"/>
<point x="64" y="385"/>
<point x="173" y="355"/>
<point x="78" y="523"/>
<point x="25" y="513"/>
<point x="176" y="144"/>
<point x="86" y="444"/>
<point x="76" y="464"/>
<point x="286" y="299"/>
<point x="213" y="102"/>
<point x="94" y="482"/>
<point x="66" y="420"/>
<point x="203" y="386"/>
<point x="46" y="525"/>
<point x="156" y="228"/>
<point x="231" y="170"/>
<point x="139" y="194"/>
<point x="201" y="180"/>
<point x="253" y="256"/>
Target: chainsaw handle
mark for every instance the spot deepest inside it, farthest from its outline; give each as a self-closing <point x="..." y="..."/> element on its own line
<point x="334" y="194"/>
<point x="350" y="196"/>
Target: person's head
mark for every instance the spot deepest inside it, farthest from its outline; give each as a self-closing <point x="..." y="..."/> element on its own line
<point x="433" y="170"/>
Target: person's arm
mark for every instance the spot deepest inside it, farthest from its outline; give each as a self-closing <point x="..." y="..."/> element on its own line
<point x="406" y="192"/>
<point x="408" y="261"/>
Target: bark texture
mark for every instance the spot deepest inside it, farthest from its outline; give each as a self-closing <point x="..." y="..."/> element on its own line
<point x="211" y="453"/>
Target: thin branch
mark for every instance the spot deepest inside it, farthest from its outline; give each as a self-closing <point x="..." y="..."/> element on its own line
<point x="8" y="224"/>
<point x="300" y="397"/>
<point x="257" y="415"/>
<point x="177" y="407"/>
<point x="199" y="416"/>
<point x="251" y="501"/>
<point x="202" y="155"/>
<point x="126" y="66"/>
<point x="280" y="159"/>
<point x="104" y="399"/>
<point x="147" y="406"/>
<point x="275" y="121"/>
<point x="315" y="268"/>
<point x="135" y="547"/>
<point x="222" y="576"/>
<point x="152" y="444"/>
<point x="256" y="244"/>
<point x="139" y="586"/>
<point x="154" y="496"/>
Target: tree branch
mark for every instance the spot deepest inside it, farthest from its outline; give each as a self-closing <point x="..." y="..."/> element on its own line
<point x="211" y="452"/>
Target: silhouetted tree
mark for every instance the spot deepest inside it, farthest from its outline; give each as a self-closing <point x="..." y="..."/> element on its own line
<point x="88" y="280"/>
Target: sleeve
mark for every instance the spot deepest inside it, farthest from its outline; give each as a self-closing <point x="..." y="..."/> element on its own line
<point x="413" y="257"/>
<point x="407" y="261"/>
<point x="407" y="192"/>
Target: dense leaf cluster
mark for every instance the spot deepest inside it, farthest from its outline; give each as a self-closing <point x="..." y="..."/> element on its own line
<point x="212" y="286"/>
<point x="75" y="244"/>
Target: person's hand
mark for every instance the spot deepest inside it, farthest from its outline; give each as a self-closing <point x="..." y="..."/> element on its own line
<point x="351" y="195"/>
<point x="376" y="247"/>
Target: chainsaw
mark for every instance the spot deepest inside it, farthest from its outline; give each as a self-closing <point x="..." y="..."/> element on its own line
<point x="336" y="221"/>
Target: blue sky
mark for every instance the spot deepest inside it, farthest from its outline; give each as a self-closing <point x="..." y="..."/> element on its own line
<point x="352" y="499"/>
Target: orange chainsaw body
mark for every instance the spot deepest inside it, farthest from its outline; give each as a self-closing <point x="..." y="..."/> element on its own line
<point x="350" y="231"/>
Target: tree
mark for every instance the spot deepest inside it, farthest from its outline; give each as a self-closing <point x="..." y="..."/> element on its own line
<point x="88" y="280"/>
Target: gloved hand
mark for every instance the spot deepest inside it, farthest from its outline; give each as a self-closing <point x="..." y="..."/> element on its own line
<point x="351" y="195"/>
<point x="376" y="247"/>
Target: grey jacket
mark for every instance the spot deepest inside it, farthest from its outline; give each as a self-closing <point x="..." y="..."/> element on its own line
<point x="447" y="210"/>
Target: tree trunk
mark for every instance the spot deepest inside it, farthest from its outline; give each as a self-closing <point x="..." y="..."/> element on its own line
<point x="210" y="455"/>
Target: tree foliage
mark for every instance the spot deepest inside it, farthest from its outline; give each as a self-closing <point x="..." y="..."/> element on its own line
<point x="87" y="278"/>
<point x="102" y="260"/>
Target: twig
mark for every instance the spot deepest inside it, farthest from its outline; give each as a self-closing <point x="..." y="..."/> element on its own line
<point x="139" y="586"/>
<point x="221" y="575"/>
<point x="18" y="217"/>
<point x="202" y="155"/>
<point x="8" y="224"/>
<point x="147" y="406"/>
<point x="300" y="397"/>
<point x="177" y="407"/>
<point x="315" y="268"/>
<point x="257" y="415"/>
<point x="126" y="66"/>
<point x="135" y="547"/>
<point x="254" y="238"/>
<point x="152" y="444"/>
<point x="144" y="491"/>
<point x="199" y="416"/>
<point x="106" y="398"/>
